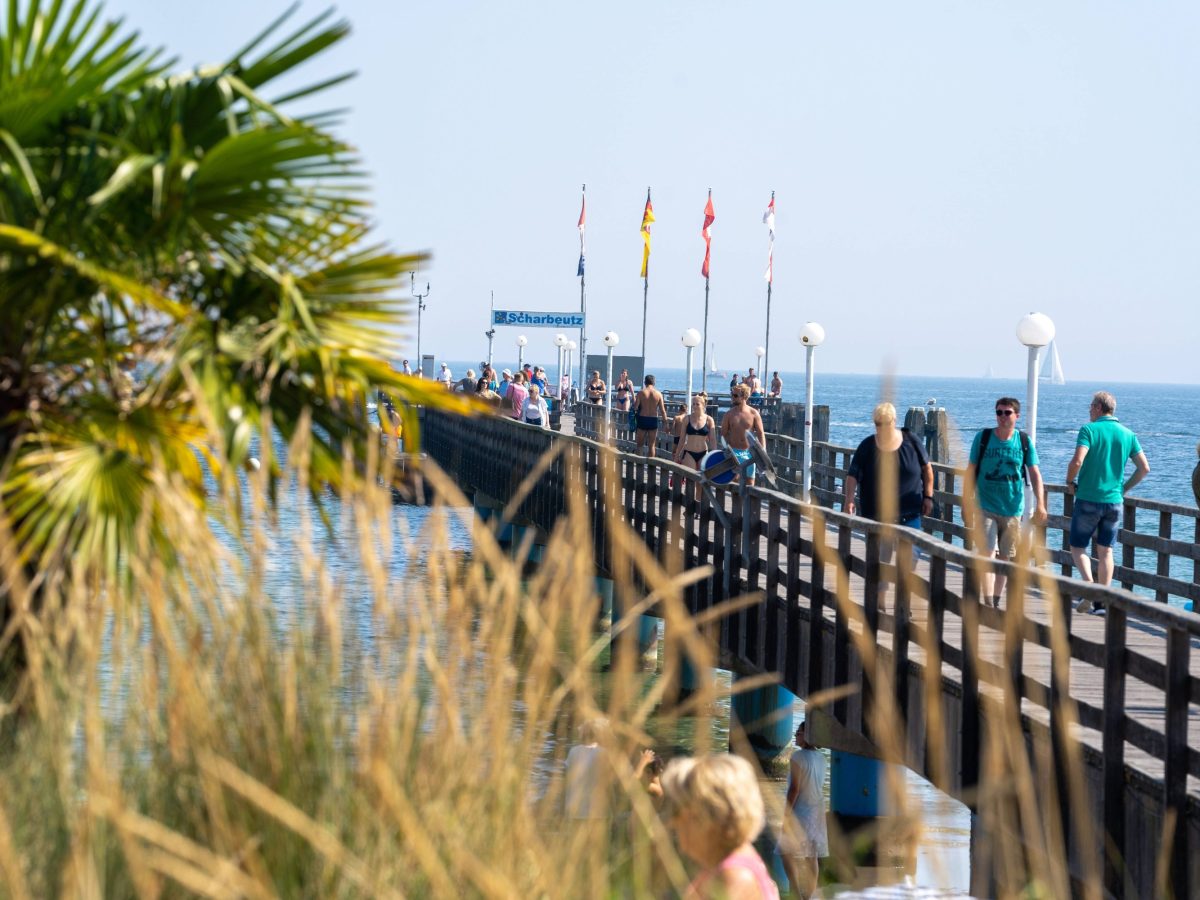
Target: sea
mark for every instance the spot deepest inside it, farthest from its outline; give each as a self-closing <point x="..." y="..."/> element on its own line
<point x="1162" y="415"/>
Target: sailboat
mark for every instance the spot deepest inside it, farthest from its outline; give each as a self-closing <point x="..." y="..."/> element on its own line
<point x="1052" y="370"/>
<point x="712" y="362"/>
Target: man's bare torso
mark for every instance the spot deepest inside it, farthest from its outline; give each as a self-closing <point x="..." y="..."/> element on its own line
<point x="649" y="401"/>
<point x="736" y="423"/>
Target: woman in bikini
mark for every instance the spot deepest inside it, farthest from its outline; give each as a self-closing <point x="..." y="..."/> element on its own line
<point x="699" y="435"/>
<point x="596" y="388"/>
<point x="623" y="392"/>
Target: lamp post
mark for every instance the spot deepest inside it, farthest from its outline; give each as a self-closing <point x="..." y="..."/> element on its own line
<point x="420" y="298"/>
<point x="760" y="352"/>
<point x="690" y="339"/>
<point x="611" y="339"/>
<point x="1035" y="331"/>
<point x="560" y="341"/>
<point x="521" y="342"/>
<point x="812" y="336"/>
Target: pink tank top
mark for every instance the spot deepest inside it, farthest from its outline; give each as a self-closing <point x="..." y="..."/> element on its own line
<point x="746" y="859"/>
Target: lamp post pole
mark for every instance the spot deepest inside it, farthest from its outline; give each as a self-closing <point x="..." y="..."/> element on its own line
<point x="812" y="336"/>
<point x="690" y="339"/>
<point x="761" y="352"/>
<point x="611" y="339"/>
<point x="420" y="298"/>
<point x="560" y="341"/>
<point x="521" y="342"/>
<point x="1035" y="331"/>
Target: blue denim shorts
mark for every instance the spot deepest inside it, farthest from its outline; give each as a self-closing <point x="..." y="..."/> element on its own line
<point x="1099" y="519"/>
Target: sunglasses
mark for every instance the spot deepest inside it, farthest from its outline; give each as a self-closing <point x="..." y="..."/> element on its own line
<point x="1005" y="412"/>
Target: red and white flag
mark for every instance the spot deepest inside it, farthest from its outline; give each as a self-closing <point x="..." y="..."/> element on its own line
<point x="707" y="232"/>
<point x="769" y="221"/>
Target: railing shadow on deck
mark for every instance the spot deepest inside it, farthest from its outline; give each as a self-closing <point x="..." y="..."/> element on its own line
<point x="945" y="682"/>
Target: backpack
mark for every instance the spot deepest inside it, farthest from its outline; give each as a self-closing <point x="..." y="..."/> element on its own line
<point x="986" y="435"/>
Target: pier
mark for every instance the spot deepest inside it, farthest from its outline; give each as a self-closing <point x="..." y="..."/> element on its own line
<point x="1120" y="694"/>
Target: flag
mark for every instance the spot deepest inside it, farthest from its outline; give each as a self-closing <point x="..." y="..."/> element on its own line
<point x="707" y="232"/>
<point x="647" y="218"/>
<point x="769" y="221"/>
<point x="582" y="228"/>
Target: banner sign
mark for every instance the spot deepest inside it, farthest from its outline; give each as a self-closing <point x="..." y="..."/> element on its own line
<point x="537" y="319"/>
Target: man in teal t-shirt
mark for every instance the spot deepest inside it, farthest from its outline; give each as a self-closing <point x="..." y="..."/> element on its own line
<point x="1103" y="447"/>
<point x="996" y="480"/>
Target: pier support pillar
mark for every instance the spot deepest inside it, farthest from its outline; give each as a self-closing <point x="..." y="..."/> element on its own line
<point x="604" y="615"/>
<point x="765" y="715"/>
<point x="644" y="632"/>
<point x="880" y="845"/>
<point x="486" y="510"/>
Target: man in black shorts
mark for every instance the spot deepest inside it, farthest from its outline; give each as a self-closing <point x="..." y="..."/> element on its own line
<point x="650" y="410"/>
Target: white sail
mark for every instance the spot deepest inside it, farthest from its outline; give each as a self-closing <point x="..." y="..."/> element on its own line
<point x="1052" y="370"/>
<point x="712" y="358"/>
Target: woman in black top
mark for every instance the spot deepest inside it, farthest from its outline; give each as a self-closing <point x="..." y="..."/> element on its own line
<point x="892" y="476"/>
<point x="912" y="494"/>
<point x="596" y="388"/>
<point x="623" y="392"/>
<point x="699" y="435"/>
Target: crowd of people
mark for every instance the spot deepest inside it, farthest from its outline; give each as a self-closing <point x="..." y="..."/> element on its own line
<point x="712" y="805"/>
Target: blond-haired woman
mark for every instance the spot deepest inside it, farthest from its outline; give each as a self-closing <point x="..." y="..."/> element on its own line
<point x="902" y="495"/>
<point x="716" y="810"/>
<point x="535" y="411"/>
<point x="697" y="435"/>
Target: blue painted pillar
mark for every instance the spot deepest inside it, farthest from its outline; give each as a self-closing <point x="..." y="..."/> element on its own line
<point x="647" y="629"/>
<point x="765" y="714"/>
<point x="604" y="617"/>
<point x="855" y="786"/>
<point x="485" y="512"/>
<point x="648" y="639"/>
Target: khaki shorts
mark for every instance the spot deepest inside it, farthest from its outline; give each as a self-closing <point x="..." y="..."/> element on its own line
<point x="1003" y="532"/>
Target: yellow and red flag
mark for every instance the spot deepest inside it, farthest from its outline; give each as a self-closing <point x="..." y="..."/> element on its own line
<point x="706" y="231"/>
<point x="647" y="218"/>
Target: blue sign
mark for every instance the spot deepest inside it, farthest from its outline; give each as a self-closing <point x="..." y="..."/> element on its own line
<point x="528" y="319"/>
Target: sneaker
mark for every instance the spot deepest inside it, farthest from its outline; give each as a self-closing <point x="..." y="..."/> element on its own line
<point x="1098" y="610"/>
<point x="1084" y="605"/>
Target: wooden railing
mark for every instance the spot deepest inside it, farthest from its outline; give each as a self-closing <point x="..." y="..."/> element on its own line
<point x="1055" y="667"/>
<point x="1163" y="564"/>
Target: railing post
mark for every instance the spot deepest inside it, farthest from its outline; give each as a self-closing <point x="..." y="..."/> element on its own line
<point x="1175" y="775"/>
<point x="1128" y="551"/>
<point x="1164" y="556"/>
<point x="1114" y="750"/>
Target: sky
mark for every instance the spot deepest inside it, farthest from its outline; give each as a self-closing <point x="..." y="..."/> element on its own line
<point x="940" y="168"/>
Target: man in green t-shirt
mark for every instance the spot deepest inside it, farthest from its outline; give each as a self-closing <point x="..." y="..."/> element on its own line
<point x="995" y="480"/>
<point x="1096" y="476"/>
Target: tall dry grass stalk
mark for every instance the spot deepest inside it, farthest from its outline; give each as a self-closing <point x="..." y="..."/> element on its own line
<point x="207" y="728"/>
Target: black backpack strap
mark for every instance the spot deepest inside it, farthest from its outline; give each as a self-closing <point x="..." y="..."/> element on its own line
<point x="1024" y="456"/>
<point x="984" y="437"/>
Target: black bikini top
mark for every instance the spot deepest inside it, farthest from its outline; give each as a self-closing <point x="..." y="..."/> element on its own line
<point x="703" y="432"/>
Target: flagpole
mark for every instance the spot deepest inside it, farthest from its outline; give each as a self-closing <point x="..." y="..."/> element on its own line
<point x="770" y="280"/>
<point x="582" y="302"/>
<point x="491" y="332"/>
<point x="704" y="355"/>
<point x="645" y="295"/>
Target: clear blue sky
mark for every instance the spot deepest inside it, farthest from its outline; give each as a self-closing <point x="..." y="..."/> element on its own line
<point x="941" y="168"/>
